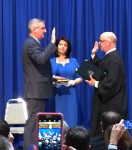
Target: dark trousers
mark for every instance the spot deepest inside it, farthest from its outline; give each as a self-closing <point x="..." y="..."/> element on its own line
<point x="34" y="106"/>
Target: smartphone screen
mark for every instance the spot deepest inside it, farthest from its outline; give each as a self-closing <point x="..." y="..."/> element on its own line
<point x="128" y="124"/>
<point x="49" y="131"/>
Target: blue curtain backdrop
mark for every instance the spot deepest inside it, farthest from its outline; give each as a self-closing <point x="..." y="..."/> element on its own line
<point x="82" y="21"/>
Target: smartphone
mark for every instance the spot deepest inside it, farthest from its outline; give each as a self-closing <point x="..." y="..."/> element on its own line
<point x="49" y="131"/>
<point x="128" y="124"/>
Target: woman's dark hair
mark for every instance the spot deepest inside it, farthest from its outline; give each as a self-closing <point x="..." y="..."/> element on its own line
<point x="77" y="137"/>
<point x="68" y="49"/>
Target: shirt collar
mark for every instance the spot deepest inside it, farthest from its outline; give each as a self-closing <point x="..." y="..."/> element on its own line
<point x="111" y="50"/>
<point x="35" y="39"/>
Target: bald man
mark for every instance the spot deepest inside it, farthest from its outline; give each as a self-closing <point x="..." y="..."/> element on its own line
<point x="109" y="92"/>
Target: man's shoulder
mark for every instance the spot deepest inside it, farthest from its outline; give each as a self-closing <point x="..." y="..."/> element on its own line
<point x="97" y="143"/>
<point x="31" y="40"/>
<point x="97" y="138"/>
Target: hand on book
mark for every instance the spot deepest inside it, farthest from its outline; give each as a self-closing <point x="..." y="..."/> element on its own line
<point x="59" y="81"/>
<point x="59" y="84"/>
<point x="70" y="83"/>
<point x="65" y="82"/>
<point x="56" y="78"/>
<point x="91" y="82"/>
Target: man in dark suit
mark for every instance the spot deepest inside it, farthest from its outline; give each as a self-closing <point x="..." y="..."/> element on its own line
<point x="37" y="85"/>
<point x="109" y="92"/>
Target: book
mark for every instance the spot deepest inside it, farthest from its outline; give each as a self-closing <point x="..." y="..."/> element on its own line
<point x="62" y="80"/>
<point x="59" y="80"/>
<point x="87" y="68"/>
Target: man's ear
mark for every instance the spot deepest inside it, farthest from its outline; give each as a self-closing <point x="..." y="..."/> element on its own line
<point x="102" y="126"/>
<point x="64" y="142"/>
<point x="71" y="148"/>
<point x="64" y="147"/>
<point x="89" y="147"/>
<point x="35" y="29"/>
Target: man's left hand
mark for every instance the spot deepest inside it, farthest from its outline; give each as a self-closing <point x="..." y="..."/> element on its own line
<point x="91" y="82"/>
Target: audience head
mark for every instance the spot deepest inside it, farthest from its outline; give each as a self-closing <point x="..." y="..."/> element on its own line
<point x="4" y="128"/>
<point x="110" y="118"/>
<point x="4" y="143"/>
<point x="65" y="128"/>
<point x="66" y="44"/>
<point x="77" y="137"/>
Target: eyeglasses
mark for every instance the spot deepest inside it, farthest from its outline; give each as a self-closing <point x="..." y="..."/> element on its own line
<point x="101" y="41"/>
<point x="43" y="28"/>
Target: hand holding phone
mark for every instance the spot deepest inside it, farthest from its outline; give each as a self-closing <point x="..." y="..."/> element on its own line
<point x="49" y="131"/>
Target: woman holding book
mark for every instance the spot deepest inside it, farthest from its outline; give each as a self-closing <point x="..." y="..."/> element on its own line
<point x="63" y="68"/>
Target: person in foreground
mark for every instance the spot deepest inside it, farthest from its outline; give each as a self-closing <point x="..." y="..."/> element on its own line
<point x="124" y="143"/>
<point x="6" y="138"/>
<point x="101" y="141"/>
<point x="77" y="138"/>
<point x="63" y="67"/>
<point x="37" y="84"/>
<point x="110" y="91"/>
<point x="115" y="135"/>
<point x="5" y="144"/>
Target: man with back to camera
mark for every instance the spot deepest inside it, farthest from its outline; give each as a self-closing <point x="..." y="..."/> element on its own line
<point x="109" y="92"/>
<point x="108" y="118"/>
<point x="37" y="85"/>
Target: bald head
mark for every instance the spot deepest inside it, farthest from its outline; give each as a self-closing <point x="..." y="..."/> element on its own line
<point x="107" y="41"/>
<point x="110" y="36"/>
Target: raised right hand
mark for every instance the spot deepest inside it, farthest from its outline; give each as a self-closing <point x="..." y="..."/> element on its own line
<point x="53" y="37"/>
<point x="117" y="132"/>
<point x="95" y="48"/>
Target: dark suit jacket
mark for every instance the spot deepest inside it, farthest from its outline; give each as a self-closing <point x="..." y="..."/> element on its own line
<point x="97" y="143"/>
<point x="37" y="69"/>
<point x="111" y="92"/>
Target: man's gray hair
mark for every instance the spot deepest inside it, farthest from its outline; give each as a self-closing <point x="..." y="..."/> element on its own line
<point x="34" y="23"/>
